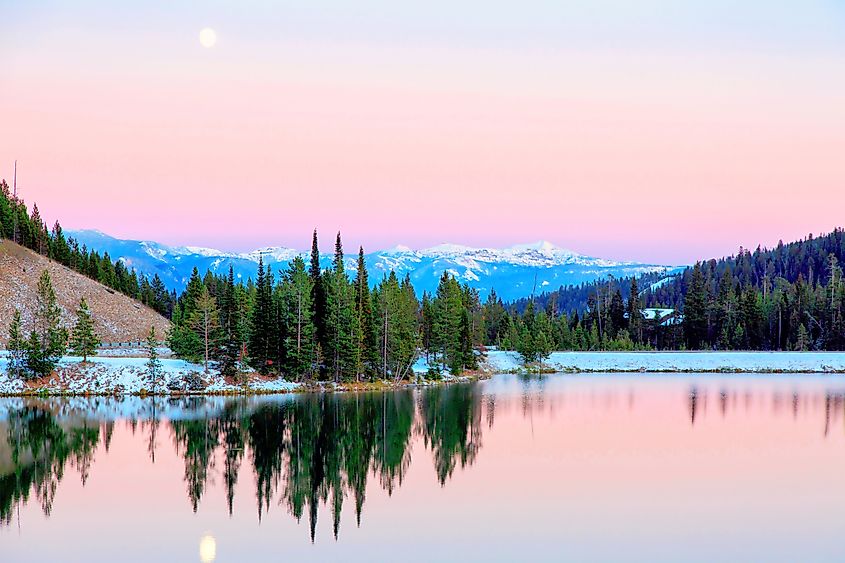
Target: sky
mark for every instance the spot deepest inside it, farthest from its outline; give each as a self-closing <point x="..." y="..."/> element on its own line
<point x="662" y="131"/>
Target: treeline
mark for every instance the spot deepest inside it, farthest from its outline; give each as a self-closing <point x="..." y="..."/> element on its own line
<point x="569" y="299"/>
<point x="306" y="322"/>
<point x="29" y="230"/>
<point x="791" y="297"/>
<point x="608" y="321"/>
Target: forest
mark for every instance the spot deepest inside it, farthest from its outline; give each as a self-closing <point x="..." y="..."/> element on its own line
<point x="791" y="297"/>
<point x="309" y="323"/>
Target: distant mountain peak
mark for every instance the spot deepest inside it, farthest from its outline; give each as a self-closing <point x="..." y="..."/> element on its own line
<point x="398" y="249"/>
<point x="511" y="270"/>
<point x="276" y="253"/>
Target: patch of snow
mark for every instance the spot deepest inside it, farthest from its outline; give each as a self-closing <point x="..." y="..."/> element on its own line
<point x="739" y="362"/>
<point x="119" y="375"/>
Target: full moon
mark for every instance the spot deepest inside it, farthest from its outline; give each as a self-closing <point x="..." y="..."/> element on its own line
<point x="208" y="549"/>
<point x="208" y="37"/>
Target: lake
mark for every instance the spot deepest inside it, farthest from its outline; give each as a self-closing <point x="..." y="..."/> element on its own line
<point x="558" y="467"/>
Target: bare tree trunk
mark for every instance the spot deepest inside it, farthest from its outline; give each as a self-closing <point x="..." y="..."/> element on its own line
<point x="205" y="331"/>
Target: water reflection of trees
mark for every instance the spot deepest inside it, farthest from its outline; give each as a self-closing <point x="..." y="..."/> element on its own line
<point x="793" y="403"/>
<point x="320" y="449"/>
<point x="40" y="448"/>
<point x="312" y="451"/>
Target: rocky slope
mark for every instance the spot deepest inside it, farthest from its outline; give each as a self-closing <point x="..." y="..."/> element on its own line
<point x="117" y="318"/>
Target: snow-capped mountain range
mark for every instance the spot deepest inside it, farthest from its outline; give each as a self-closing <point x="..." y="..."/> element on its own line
<point x="510" y="271"/>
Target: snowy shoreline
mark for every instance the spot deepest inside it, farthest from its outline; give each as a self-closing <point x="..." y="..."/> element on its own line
<point x="127" y="376"/>
<point x="674" y="362"/>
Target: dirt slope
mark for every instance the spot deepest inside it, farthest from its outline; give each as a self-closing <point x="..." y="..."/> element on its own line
<point x="117" y="318"/>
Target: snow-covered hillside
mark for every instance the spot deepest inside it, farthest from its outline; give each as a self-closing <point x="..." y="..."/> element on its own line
<point x="510" y="271"/>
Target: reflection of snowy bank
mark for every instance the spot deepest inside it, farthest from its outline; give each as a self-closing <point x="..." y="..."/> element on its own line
<point x="114" y="407"/>
<point x="681" y="362"/>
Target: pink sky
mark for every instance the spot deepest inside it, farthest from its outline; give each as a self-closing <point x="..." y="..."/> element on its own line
<point x="633" y="152"/>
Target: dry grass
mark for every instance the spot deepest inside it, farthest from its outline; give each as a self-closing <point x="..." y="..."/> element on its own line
<point x="117" y="318"/>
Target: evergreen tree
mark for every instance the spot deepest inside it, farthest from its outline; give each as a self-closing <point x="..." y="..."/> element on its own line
<point x="466" y="358"/>
<point x="635" y="317"/>
<point x="802" y="343"/>
<point x="16" y="346"/>
<point x="397" y="330"/>
<point x="427" y="326"/>
<point x="494" y="316"/>
<point x="341" y="323"/>
<point x="47" y="342"/>
<point x="297" y="322"/>
<point x="205" y="322"/>
<point x="695" y="311"/>
<point x="364" y="311"/>
<point x="154" y="368"/>
<point x="182" y="338"/>
<point x="448" y="311"/>
<point x="616" y="314"/>
<point x="318" y="293"/>
<point x="230" y="324"/>
<point x="261" y="322"/>
<point x="83" y="340"/>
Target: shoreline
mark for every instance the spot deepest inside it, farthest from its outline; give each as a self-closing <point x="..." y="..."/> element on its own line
<point x="123" y="376"/>
<point x="246" y="391"/>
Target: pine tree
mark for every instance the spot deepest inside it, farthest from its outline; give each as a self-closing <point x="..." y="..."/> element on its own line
<point x="616" y="314"/>
<point x="466" y="358"/>
<point x="397" y="330"/>
<point x="366" y="321"/>
<point x="16" y="346"/>
<point x="261" y="321"/>
<point x="47" y="342"/>
<point x="526" y="345"/>
<point x="448" y="309"/>
<point x="154" y="368"/>
<point x="635" y="317"/>
<point x="427" y="326"/>
<point x="341" y="324"/>
<point x="318" y="293"/>
<point x="182" y="338"/>
<point x="205" y="322"/>
<point x="230" y="323"/>
<point x="83" y="340"/>
<point x="695" y="311"/>
<point x="297" y="323"/>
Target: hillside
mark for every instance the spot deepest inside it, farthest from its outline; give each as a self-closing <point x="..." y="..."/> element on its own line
<point x="117" y="317"/>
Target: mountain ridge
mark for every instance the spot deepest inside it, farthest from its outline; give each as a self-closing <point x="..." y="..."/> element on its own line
<point x="511" y="271"/>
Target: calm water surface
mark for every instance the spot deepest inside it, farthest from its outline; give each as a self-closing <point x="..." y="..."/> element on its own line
<point x="599" y="467"/>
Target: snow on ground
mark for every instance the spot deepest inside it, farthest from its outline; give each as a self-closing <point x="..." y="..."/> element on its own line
<point x="130" y="352"/>
<point x="739" y="362"/>
<point x="128" y="375"/>
<point x="125" y="375"/>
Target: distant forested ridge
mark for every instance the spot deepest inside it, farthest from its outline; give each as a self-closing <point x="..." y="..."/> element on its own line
<point x="791" y="297"/>
<point x="28" y="229"/>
